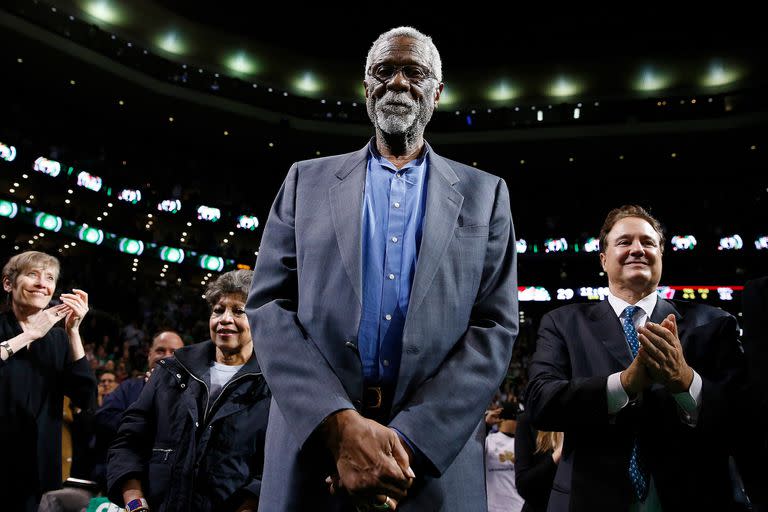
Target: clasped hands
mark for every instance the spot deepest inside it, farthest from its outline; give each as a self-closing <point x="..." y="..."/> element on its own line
<point x="372" y="462"/>
<point x="659" y="360"/>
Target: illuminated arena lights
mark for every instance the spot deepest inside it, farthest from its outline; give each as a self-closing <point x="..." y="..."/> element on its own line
<point x="683" y="242"/>
<point x="169" y="206"/>
<point x="8" y="209"/>
<point x="91" y="235"/>
<point x="49" y="222"/>
<point x="89" y="181"/>
<point x="595" y="293"/>
<point x="761" y="243"/>
<point x="248" y="222"/>
<point x="50" y="167"/>
<point x="130" y="246"/>
<point x="208" y="213"/>
<point x="555" y="245"/>
<point x="521" y="246"/>
<point x="592" y="245"/>
<point x="7" y="153"/>
<point x="731" y="243"/>
<point x="128" y="195"/>
<point x="212" y="263"/>
<point x="171" y="254"/>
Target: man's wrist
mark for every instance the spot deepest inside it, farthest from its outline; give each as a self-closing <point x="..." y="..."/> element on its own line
<point x="682" y="384"/>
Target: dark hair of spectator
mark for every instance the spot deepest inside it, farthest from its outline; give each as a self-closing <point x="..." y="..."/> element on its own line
<point x="629" y="210"/>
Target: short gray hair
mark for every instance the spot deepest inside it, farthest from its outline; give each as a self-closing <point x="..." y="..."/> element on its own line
<point x="433" y="56"/>
<point x="234" y="282"/>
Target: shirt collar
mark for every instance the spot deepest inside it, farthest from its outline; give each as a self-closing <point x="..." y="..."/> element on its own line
<point x="647" y="303"/>
<point x="383" y="162"/>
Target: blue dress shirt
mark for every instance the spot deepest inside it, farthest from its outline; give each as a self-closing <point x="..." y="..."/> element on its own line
<point x="393" y="215"/>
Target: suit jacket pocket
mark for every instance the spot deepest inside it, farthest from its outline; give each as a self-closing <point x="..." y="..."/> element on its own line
<point x="472" y="232"/>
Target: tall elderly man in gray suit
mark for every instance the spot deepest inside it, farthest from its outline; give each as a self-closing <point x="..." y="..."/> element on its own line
<point x="384" y="310"/>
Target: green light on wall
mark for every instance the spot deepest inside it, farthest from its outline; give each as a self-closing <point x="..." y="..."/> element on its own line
<point x="242" y="63"/>
<point x="130" y="246"/>
<point x="172" y="43"/>
<point x="103" y="10"/>
<point x="8" y="209"/>
<point x="564" y="87"/>
<point x="171" y="254"/>
<point x="48" y="222"/>
<point x="212" y="263"/>
<point x="308" y="82"/>
<point x="503" y="91"/>
<point x="91" y="235"/>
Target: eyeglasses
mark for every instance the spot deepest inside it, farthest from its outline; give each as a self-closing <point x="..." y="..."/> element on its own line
<point x="413" y="73"/>
<point x="106" y="381"/>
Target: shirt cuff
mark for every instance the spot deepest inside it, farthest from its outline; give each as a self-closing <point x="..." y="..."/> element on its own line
<point x="617" y="397"/>
<point x="689" y="402"/>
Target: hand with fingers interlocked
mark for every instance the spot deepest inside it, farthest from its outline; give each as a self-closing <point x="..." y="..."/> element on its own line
<point x="662" y="354"/>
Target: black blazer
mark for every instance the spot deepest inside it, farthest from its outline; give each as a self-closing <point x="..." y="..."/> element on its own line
<point x="578" y="347"/>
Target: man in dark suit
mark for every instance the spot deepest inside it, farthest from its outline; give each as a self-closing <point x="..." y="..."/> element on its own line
<point x="644" y="388"/>
<point x="384" y="310"/>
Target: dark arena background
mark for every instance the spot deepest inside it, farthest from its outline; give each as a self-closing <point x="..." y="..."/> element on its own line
<point x="143" y="142"/>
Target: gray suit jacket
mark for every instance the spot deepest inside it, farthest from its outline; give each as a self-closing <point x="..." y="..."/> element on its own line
<point x="304" y="310"/>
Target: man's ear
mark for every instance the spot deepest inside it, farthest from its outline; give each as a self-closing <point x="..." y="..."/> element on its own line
<point x="365" y="88"/>
<point x="438" y="91"/>
<point x="602" y="260"/>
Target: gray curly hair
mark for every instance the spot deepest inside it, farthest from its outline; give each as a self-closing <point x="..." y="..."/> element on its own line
<point x="433" y="56"/>
<point x="234" y="282"/>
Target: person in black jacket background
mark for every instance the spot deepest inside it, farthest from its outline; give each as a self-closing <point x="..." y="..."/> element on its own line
<point x="536" y="457"/>
<point x="194" y="440"/>
<point x="39" y="365"/>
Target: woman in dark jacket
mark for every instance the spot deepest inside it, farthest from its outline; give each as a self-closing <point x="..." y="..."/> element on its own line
<point x="39" y="365"/>
<point x="194" y="440"/>
<point x="536" y="457"/>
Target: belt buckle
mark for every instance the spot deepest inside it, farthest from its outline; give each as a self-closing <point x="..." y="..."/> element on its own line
<point x="376" y="404"/>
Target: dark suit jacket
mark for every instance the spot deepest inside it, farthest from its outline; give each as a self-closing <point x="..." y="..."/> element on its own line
<point x="304" y="310"/>
<point x="578" y="347"/>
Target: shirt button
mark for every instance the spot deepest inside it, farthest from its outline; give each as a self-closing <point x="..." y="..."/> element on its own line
<point x="394" y="239"/>
<point x="385" y="362"/>
<point x="197" y="424"/>
<point x="397" y="175"/>
<point x="396" y="205"/>
<point x="391" y="276"/>
<point x="387" y="317"/>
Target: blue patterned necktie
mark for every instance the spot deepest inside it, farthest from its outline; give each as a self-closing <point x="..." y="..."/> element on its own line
<point x="637" y="474"/>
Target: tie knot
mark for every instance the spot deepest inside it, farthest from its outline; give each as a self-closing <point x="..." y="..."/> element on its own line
<point x="629" y="312"/>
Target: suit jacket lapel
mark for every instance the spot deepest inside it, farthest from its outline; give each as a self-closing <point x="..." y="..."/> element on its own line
<point x="346" y="211"/>
<point x="664" y="308"/>
<point x="610" y="333"/>
<point x="442" y="210"/>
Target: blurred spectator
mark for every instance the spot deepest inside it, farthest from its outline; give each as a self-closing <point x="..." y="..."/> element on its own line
<point x="500" y="463"/>
<point x="536" y="458"/>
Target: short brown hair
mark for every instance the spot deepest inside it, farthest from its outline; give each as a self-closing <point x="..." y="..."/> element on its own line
<point x="28" y="260"/>
<point x="234" y="282"/>
<point x="629" y="210"/>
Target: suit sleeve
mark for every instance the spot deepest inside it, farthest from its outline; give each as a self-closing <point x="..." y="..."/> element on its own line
<point x="287" y="355"/>
<point x="77" y="379"/>
<point x="441" y="415"/>
<point x="555" y="400"/>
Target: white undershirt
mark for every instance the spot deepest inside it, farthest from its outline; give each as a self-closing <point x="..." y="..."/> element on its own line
<point x="220" y="375"/>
